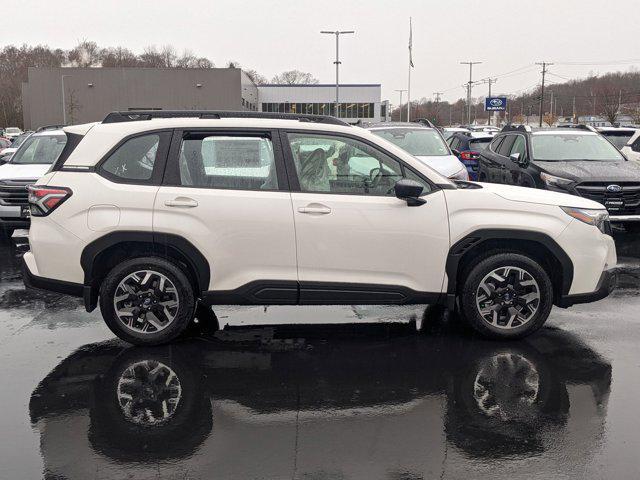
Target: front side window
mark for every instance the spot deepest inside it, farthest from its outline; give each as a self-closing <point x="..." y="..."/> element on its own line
<point x="519" y="146"/>
<point x="568" y="147"/>
<point x="43" y="149"/>
<point x="505" y="146"/>
<point x="134" y="159"/>
<point x="416" y="141"/>
<point x="228" y="162"/>
<point x="331" y="164"/>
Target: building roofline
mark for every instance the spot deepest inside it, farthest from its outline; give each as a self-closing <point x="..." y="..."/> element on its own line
<point x="296" y="85"/>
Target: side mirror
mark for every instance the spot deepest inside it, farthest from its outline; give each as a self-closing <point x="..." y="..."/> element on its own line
<point x="517" y="158"/>
<point x="409" y="191"/>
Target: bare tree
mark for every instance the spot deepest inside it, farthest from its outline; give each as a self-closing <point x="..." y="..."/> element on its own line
<point x="256" y="77"/>
<point x="118" y="57"/>
<point x="549" y="119"/>
<point x="85" y="54"/>
<point x="73" y="106"/>
<point x="150" y="57"/>
<point x="295" y="77"/>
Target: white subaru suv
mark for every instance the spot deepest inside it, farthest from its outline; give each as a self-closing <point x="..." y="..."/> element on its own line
<point x="157" y="215"/>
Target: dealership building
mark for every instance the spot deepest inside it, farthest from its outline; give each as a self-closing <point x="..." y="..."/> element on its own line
<point x="79" y="95"/>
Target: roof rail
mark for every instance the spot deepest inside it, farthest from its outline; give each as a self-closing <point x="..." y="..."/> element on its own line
<point x="138" y="115"/>
<point x="578" y="126"/>
<point x="516" y="128"/>
<point x="49" y="127"/>
<point x="425" y="121"/>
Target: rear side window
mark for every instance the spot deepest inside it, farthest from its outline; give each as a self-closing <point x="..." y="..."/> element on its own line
<point x="134" y="159"/>
<point x="519" y="146"/>
<point x="505" y="146"/>
<point x="227" y="162"/>
<point x="636" y="145"/>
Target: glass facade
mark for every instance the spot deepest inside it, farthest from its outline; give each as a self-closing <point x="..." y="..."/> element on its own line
<point x="346" y="110"/>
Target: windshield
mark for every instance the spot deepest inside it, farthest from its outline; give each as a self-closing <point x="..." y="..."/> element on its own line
<point x="40" y="149"/>
<point x="479" y="143"/>
<point x="619" y="139"/>
<point x="19" y="140"/>
<point x="572" y="147"/>
<point x="416" y="141"/>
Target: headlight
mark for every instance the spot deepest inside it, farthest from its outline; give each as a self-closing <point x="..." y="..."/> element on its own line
<point x="461" y="175"/>
<point x="597" y="218"/>
<point x="555" y="182"/>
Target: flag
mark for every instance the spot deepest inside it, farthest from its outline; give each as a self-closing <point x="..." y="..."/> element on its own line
<point x="410" y="43"/>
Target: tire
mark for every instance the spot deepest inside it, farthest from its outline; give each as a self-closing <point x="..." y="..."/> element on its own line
<point x="495" y="308"/>
<point x="167" y="293"/>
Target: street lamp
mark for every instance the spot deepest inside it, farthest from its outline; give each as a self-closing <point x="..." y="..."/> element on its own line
<point x="337" y="33"/>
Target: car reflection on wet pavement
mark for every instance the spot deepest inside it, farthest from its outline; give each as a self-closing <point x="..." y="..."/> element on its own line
<point x="324" y="400"/>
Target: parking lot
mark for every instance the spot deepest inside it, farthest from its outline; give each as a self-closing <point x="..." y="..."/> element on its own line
<point x="266" y="397"/>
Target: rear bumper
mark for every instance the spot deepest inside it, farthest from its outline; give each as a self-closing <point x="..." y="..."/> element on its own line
<point x="41" y="283"/>
<point x="606" y="285"/>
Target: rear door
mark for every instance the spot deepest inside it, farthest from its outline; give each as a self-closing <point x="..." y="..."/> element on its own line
<point x="226" y="192"/>
<point x="357" y="242"/>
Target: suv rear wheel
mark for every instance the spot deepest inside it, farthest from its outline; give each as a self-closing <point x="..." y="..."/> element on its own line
<point x="147" y="301"/>
<point x="506" y="295"/>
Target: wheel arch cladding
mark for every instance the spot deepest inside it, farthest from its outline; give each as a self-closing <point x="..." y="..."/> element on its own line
<point x="537" y="245"/>
<point x="101" y="255"/>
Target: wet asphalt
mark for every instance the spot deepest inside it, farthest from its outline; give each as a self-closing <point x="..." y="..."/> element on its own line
<point x="319" y="393"/>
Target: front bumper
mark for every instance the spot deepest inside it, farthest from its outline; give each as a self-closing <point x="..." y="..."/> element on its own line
<point x="11" y="216"/>
<point x="606" y="285"/>
<point x="624" y="218"/>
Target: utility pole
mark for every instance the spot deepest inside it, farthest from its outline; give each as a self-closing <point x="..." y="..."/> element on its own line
<point x="490" y="81"/>
<point x="400" y="104"/>
<point x="437" y="95"/>
<point x="544" y="71"/>
<point x="574" y="119"/>
<point x="337" y="33"/>
<point x="469" y="85"/>
<point x="551" y="106"/>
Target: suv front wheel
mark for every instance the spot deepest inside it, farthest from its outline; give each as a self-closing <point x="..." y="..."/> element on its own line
<point x="506" y="295"/>
<point x="147" y="301"/>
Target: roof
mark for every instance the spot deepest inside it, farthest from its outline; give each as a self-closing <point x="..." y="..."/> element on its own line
<point x="311" y="85"/>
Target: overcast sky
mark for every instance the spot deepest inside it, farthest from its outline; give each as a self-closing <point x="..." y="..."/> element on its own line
<point x="272" y="36"/>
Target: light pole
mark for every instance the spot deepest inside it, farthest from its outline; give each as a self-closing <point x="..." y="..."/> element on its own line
<point x="469" y="85"/>
<point x="337" y="33"/>
<point x="64" y="108"/>
<point x="401" y="90"/>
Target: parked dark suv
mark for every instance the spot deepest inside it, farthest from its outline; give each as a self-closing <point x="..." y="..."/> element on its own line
<point x="575" y="160"/>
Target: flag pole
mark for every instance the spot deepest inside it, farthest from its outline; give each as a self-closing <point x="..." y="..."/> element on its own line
<point x="410" y="66"/>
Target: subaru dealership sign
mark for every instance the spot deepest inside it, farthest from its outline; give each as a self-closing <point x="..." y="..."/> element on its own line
<point x="495" y="103"/>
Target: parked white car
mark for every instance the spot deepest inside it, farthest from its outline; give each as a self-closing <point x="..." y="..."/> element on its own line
<point x="30" y="162"/>
<point x="12" y="132"/>
<point x="156" y="238"/>
<point x="424" y="143"/>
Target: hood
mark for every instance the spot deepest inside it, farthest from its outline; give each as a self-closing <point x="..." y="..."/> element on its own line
<point x="542" y="197"/>
<point x="592" y="171"/>
<point x="445" y="165"/>
<point x="23" y="171"/>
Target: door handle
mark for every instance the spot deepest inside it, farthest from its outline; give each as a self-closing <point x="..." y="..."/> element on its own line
<point x="181" y="202"/>
<point x="315" y="208"/>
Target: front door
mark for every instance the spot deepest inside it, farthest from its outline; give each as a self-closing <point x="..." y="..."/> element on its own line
<point x="226" y="193"/>
<point x="357" y="242"/>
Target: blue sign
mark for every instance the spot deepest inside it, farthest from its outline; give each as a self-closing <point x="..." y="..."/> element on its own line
<point x="495" y="104"/>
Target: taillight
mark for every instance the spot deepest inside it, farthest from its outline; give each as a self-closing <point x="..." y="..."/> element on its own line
<point x="43" y="200"/>
<point x="469" y="155"/>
